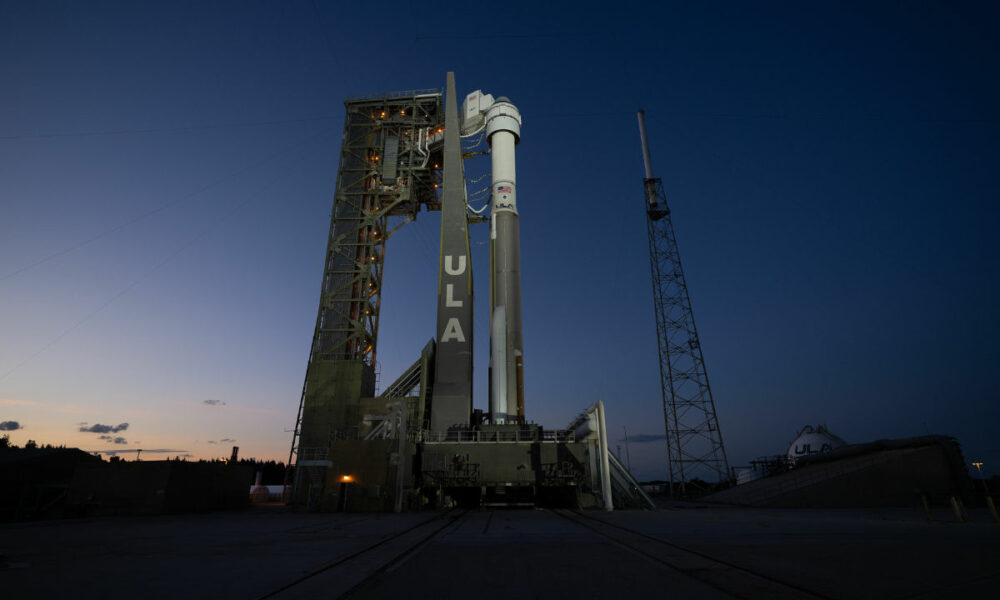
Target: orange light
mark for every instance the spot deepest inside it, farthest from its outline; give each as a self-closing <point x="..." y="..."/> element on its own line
<point x="346" y="478"/>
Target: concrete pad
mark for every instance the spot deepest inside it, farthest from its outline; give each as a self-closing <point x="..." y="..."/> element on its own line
<point x="527" y="553"/>
<point x="222" y="555"/>
<point x="499" y="553"/>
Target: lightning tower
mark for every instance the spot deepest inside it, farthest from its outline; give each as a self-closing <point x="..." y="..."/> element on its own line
<point x="694" y="442"/>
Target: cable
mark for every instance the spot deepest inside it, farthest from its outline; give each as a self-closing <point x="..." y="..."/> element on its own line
<point x="477" y="179"/>
<point x="149" y="213"/>
<point x="754" y="117"/>
<point x="480" y="194"/>
<point x="472" y="133"/>
<point x="503" y="36"/>
<point x="326" y="34"/>
<point x="162" y="129"/>
<point x="197" y="237"/>
<point x="894" y="119"/>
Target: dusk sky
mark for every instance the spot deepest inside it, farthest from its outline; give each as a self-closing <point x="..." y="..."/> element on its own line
<point x="167" y="171"/>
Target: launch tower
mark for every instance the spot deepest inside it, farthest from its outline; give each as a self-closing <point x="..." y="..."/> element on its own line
<point x="389" y="168"/>
<point x="421" y="441"/>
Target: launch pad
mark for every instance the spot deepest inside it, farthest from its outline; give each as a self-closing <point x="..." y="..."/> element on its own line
<point x="703" y="552"/>
<point x="421" y="442"/>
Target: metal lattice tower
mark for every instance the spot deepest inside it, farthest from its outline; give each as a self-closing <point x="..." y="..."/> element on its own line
<point x="388" y="169"/>
<point x="375" y="182"/>
<point x="694" y="441"/>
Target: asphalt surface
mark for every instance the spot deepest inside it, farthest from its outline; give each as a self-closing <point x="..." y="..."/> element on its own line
<point x="683" y="550"/>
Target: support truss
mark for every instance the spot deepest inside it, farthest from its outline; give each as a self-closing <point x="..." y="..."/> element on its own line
<point x="390" y="166"/>
<point x="694" y="441"/>
<point x="387" y="169"/>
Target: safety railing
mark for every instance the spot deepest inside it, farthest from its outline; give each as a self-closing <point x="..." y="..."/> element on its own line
<point x="517" y="435"/>
<point x="314" y="453"/>
<point x="394" y="95"/>
<point x="796" y="479"/>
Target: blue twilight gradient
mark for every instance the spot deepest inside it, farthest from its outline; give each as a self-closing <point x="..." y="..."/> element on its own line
<point x="832" y="170"/>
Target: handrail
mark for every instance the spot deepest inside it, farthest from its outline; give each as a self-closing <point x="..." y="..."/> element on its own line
<point x="770" y="487"/>
<point x="399" y="94"/>
<point x="517" y="435"/>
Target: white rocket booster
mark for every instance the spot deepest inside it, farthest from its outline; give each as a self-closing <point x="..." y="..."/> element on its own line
<point x="503" y="132"/>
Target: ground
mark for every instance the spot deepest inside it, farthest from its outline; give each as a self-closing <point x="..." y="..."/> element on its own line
<point x="689" y="550"/>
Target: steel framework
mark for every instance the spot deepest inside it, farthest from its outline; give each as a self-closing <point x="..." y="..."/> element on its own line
<point x="694" y="441"/>
<point x="385" y="171"/>
<point x="389" y="167"/>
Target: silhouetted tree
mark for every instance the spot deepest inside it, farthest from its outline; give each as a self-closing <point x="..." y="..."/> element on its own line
<point x="273" y="473"/>
<point x="30" y="445"/>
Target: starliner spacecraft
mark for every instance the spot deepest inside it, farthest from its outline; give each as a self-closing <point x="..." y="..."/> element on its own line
<point x="421" y="441"/>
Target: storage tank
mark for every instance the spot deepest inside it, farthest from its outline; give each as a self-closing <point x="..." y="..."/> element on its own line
<point x="813" y="441"/>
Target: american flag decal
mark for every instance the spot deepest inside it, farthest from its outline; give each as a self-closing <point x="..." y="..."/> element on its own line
<point x="503" y="189"/>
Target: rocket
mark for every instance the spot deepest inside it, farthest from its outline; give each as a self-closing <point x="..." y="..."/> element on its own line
<point x="503" y="132"/>
<point x="502" y="122"/>
<point x="453" y="362"/>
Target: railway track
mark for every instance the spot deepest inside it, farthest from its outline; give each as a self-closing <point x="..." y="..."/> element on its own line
<point x="351" y="572"/>
<point x="733" y="579"/>
<point x="359" y="572"/>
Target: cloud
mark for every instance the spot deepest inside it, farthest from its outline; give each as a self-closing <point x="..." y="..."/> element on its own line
<point x="641" y="438"/>
<point x="227" y="440"/>
<point x="213" y="402"/>
<point x="104" y="437"/>
<point x="144" y="452"/>
<point x="119" y="440"/>
<point x="58" y="408"/>
<point x="16" y="402"/>
<point x="10" y="426"/>
<point x="98" y="428"/>
<point x="212" y="442"/>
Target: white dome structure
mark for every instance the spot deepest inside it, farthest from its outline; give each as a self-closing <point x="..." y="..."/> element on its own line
<point x="813" y="441"/>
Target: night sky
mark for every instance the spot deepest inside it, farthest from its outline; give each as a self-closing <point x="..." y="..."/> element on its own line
<point x="167" y="171"/>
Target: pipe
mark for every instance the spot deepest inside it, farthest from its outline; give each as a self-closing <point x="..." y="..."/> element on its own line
<point x="649" y="183"/>
<point x="645" y="145"/>
<point x="605" y="462"/>
<point x="498" y="366"/>
<point x="401" y="467"/>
